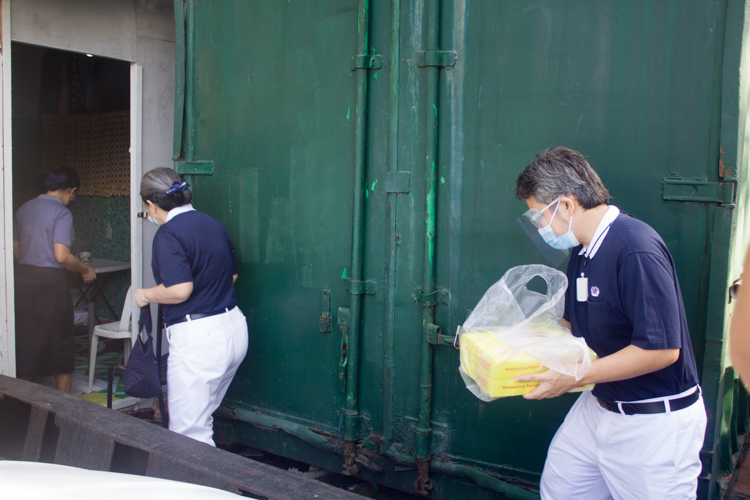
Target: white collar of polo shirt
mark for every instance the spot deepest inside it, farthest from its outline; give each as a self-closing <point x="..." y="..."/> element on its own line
<point x="179" y="210"/>
<point x="601" y="231"/>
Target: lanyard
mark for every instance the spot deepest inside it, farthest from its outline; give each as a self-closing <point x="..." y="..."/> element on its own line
<point x="593" y="245"/>
<point x="582" y="283"/>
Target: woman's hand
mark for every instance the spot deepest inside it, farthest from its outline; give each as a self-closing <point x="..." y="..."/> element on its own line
<point x="89" y="275"/>
<point x="140" y="298"/>
<point x="551" y="384"/>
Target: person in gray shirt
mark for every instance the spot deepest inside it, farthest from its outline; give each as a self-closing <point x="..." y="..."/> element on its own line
<point x="42" y="236"/>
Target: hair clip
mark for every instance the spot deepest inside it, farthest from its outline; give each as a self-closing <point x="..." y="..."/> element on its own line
<point x="56" y="178"/>
<point x="177" y="187"/>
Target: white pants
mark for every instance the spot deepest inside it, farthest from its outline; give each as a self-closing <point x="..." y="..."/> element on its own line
<point x="204" y="355"/>
<point x="598" y="454"/>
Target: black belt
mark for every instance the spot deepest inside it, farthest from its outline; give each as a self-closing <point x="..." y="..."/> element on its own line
<point x="194" y="316"/>
<point x="653" y="407"/>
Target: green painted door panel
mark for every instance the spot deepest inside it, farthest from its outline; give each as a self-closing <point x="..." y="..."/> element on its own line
<point x="602" y="80"/>
<point x="272" y="102"/>
<point x="274" y="105"/>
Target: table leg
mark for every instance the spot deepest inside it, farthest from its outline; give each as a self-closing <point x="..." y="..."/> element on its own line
<point x="99" y="291"/>
<point x="91" y="322"/>
<point x="83" y="292"/>
<point x="110" y="381"/>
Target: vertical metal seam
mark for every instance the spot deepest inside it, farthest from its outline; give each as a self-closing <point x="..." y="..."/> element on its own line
<point x="351" y="418"/>
<point x="189" y="133"/>
<point x="711" y="391"/>
<point x="390" y="289"/>
<point x="719" y="386"/>
<point x="179" y="98"/>
<point x="423" y="435"/>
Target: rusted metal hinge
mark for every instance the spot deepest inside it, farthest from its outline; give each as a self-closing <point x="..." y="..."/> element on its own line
<point x="434" y="336"/>
<point x="324" y="321"/>
<point x="343" y="321"/>
<point x="439" y="296"/>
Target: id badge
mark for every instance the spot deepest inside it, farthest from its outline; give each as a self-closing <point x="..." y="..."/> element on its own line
<point x="582" y="289"/>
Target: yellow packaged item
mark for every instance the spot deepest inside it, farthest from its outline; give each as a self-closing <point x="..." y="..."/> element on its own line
<point x="515" y="330"/>
<point x="494" y="364"/>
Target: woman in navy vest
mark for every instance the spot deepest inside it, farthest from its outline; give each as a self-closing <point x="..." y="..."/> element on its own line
<point x="42" y="236"/>
<point x="195" y="267"/>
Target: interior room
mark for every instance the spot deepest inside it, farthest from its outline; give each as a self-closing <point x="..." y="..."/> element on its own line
<point x="73" y="110"/>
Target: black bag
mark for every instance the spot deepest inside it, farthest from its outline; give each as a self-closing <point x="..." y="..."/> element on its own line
<point x="141" y="378"/>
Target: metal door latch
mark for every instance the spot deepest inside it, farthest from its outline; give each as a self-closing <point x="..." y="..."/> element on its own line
<point x="440" y="296"/>
<point x="367" y="61"/>
<point x="679" y="189"/>
<point x="360" y="287"/>
<point x="434" y="336"/>
<point x="438" y="58"/>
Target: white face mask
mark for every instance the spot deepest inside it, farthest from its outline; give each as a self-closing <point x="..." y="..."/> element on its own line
<point x="562" y="242"/>
<point x="151" y="218"/>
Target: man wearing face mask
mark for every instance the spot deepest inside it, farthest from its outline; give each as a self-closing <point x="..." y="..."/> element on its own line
<point x="638" y="434"/>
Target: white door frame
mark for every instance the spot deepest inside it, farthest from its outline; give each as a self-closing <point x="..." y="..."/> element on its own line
<point x="136" y="157"/>
<point x="7" y="289"/>
<point x="7" y="294"/>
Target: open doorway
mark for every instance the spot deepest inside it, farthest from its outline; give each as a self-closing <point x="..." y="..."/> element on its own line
<point x="73" y="110"/>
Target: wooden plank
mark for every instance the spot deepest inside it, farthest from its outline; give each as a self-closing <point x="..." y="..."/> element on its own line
<point x="89" y="433"/>
<point x="32" y="448"/>
<point x="81" y="445"/>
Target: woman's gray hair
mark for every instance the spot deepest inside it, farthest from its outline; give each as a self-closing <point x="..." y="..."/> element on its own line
<point x="561" y="171"/>
<point x="157" y="182"/>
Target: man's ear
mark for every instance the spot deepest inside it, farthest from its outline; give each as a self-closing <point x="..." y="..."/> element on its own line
<point x="567" y="202"/>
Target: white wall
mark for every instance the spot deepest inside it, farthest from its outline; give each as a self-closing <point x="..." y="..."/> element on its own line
<point x="101" y="27"/>
<point x="155" y="42"/>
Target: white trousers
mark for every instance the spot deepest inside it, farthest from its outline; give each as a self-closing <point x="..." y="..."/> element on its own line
<point x="598" y="454"/>
<point x="204" y="355"/>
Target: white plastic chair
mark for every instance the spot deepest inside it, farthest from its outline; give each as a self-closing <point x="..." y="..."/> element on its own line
<point x="114" y="330"/>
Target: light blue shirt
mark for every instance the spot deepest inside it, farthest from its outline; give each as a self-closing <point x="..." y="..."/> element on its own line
<point x="39" y="224"/>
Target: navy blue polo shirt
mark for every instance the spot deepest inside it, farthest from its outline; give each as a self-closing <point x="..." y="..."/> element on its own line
<point x="193" y="246"/>
<point x="633" y="298"/>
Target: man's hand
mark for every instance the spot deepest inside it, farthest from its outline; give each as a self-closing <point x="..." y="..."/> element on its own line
<point x="140" y="298"/>
<point x="89" y="275"/>
<point x="551" y="384"/>
<point x="627" y="363"/>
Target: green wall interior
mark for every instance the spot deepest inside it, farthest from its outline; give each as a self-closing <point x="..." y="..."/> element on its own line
<point x="91" y="215"/>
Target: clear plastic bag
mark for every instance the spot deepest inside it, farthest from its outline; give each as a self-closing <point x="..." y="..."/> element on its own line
<point x="516" y="331"/>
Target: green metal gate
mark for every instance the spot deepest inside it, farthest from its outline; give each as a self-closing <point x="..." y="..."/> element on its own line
<point x="363" y="157"/>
